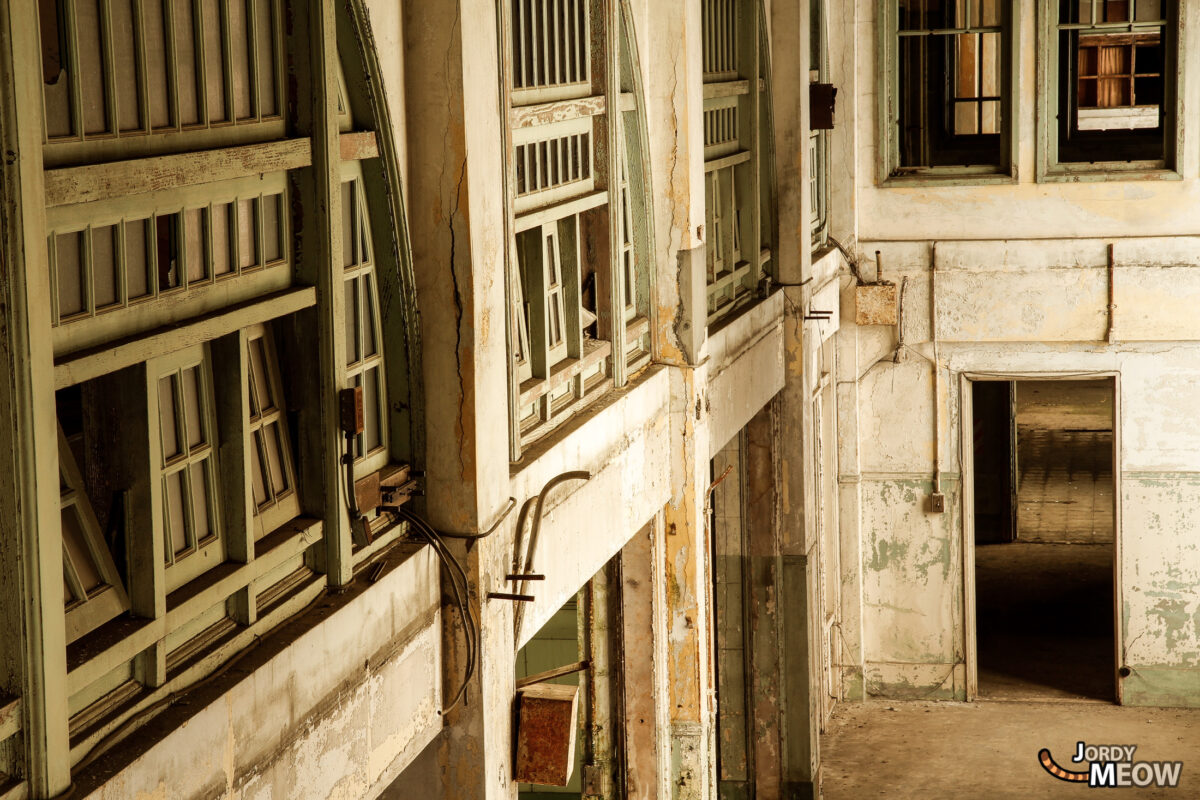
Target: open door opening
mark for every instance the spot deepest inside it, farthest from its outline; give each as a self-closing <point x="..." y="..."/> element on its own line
<point x="1044" y="539"/>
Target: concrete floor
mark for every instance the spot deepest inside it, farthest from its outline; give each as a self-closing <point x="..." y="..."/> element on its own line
<point x="1045" y="621"/>
<point x="988" y="750"/>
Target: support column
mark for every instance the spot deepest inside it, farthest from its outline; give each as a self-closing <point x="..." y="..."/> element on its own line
<point x="33" y="650"/>
<point x="798" y="538"/>
<point x="456" y="146"/>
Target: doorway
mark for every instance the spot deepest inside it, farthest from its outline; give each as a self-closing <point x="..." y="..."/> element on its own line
<point x="1044" y="538"/>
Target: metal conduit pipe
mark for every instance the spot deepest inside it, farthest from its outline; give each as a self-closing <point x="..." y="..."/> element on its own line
<point x="531" y="547"/>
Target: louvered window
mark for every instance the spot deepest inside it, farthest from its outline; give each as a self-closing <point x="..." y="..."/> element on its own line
<point x="738" y="185"/>
<point x="200" y="314"/>
<point x="580" y="295"/>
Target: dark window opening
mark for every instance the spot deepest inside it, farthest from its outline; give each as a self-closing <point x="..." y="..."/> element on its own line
<point x="952" y="83"/>
<point x="1113" y="88"/>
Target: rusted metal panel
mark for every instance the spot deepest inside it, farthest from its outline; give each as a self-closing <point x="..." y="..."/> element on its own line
<point x="875" y="304"/>
<point x="547" y="718"/>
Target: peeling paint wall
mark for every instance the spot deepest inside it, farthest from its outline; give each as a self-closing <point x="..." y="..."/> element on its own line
<point x="1022" y="286"/>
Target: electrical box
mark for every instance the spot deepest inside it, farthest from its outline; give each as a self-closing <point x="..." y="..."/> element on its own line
<point x="821" y="99"/>
<point x="875" y="304"/>
<point x="937" y="503"/>
<point x="547" y="718"/>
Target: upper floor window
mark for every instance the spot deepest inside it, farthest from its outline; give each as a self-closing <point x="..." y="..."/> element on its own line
<point x="948" y="101"/>
<point x="818" y="140"/>
<point x="120" y="69"/>
<point x="580" y="259"/>
<point x="1113" y="95"/>
<point x="202" y="313"/>
<point x="738" y="181"/>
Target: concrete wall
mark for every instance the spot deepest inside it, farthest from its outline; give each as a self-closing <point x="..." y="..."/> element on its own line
<point x="1027" y="309"/>
<point x="335" y="711"/>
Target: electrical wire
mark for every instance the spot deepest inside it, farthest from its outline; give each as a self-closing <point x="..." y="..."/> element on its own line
<point x="453" y="568"/>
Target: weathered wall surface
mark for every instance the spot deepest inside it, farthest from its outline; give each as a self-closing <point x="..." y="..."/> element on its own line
<point x="1036" y="310"/>
<point x="336" y="713"/>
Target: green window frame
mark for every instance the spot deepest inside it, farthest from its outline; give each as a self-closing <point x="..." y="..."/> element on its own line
<point x="946" y="142"/>
<point x="579" y="289"/>
<point x="1108" y="154"/>
<point x="738" y="185"/>
<point x="187" y="305"/>
<point x="818" y="140"/>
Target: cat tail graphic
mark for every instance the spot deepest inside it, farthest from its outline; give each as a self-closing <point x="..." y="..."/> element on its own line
<point x="1048" y="764"/>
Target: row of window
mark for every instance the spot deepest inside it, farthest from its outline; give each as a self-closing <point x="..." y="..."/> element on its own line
<point x="1106" y="85"/>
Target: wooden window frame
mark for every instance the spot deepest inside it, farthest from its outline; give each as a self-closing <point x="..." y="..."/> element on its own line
<point x="890" y="172"/>
<point x="109" y="599"/>
<point x="280" y="506"/>
<point x="738" y="217"/>
<point x="212" y="129"/>
<point x="201" y="554"/>
<point x="818" y="140"/>
<point x="596" y="120"/>
<point x="1049" y="168"/>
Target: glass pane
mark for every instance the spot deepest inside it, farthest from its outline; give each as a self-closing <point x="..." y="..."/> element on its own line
<point x="348" y="224"/>
<point x="257" y="475"/>
<point x="239" y="39"/>
<point x="247" y="233"/>
<point x="154" y="32"/>
<point x="173" y="513"/>
<point x="992" y="13"/>
<point x="166" y="244"/>
<point x="128" y="111"/>
<point x="69" y="272"/>
<point x="214" y="66"/>
<point x="198" y="478"/>
<point x="77" y="549"/>
<point x="260" y="384"/>
<point x="352" y="321"/>
<point x="137" y="264"/>
<point x="370" y="335"/>
<point x="191" y="403"/>
<point x="91" y="66"/>
<point x="67" y="596"/>
<point x="371" y="420"/>
<point x="193" y="244"/>
<point x="57" y="98"/>
<point x="272" y="228"/>
<point x="104" y="265"/>
<point x="185" y="61"/>
<point x="265" y="37"/>
<point x="274" y="449"/>
<point x="166" y="417"/>
<point x="1148" y="10"/>
<point x="221" y="244"/>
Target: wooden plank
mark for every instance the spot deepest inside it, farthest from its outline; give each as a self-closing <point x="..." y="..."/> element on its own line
<point x="188" y="602"/>
<point x="10" y="718"/>
<point x="551" y="674"/>
<point x="726" y="89"/>
<point x="594" y="352"/>
<point x="115" y="179"/>
<point x="557" y="111"/>
<point x="358" y="146"/>
<point x="577" y="205"/>
<point x="110" y="357"/>
<point x="733" y="160"/>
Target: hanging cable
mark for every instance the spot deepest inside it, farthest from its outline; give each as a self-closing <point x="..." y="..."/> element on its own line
<point x="462" y="598"/>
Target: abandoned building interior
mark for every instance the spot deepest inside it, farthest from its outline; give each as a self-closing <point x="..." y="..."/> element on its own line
<point x="481" y="399"/>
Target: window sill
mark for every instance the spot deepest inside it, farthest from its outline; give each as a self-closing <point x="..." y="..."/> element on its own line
<point x="939" y="177"/>
<point x="1105" y="171"/>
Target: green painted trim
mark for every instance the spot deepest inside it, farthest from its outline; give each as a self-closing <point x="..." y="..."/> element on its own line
<point x="1170" y="687"/>
<point x="1049" y="170"/>
<point x="887" y="68"/>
